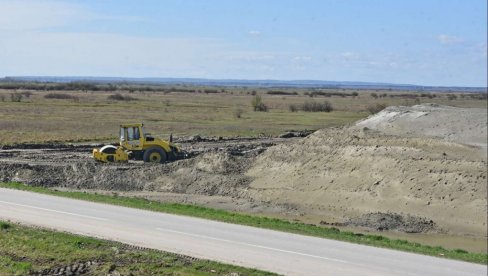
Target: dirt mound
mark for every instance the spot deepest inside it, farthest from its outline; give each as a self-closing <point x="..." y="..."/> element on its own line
<point x="344" y="173"/>
<point x="390" y="221"/>
<point x="217" y="173"/>
<point x="462" y="125"/>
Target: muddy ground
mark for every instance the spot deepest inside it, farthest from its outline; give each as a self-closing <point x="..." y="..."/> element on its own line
<point x="381" y="174"/>
<point x="211" y="175"/>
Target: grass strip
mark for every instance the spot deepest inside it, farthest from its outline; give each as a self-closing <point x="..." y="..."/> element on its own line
<point x="262" y="222"/>
<point x="27" y="250"/>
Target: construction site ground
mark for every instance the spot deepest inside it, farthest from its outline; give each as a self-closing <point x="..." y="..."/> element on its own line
<point x="417" y="173"/>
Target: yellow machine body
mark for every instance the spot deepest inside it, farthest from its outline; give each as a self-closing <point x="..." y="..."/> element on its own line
<point x="135" y="143"/>
<point x="110" y="154"/>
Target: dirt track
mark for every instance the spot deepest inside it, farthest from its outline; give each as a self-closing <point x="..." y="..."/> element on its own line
<point x="378" y="174"/>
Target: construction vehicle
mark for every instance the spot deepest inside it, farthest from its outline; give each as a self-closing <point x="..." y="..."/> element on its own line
<point x="136" y="144"/>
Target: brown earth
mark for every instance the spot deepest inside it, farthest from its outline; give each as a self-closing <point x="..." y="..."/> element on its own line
<point x="344" y="173"/>
<point x="405" y="169"/>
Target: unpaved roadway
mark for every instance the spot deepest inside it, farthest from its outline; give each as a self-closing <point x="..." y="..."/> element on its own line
<point x="241" y="245"/>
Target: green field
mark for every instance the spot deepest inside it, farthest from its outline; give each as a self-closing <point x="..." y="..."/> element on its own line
<point x="263" y="222"/>
<point x="91" y="116"/>
<point x="25" y="250"/>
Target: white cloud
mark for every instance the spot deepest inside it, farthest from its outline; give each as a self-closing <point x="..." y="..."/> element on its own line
<point x="350" y="56"/>
<point x="302" y="58"/>
<point x="449" y="39"/>
<point x="254" y="33"/>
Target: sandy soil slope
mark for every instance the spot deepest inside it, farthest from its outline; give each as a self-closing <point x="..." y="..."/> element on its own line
<point x="387" y="163"/>
<point x="344" y="173"/>
<point x="462" y="125"/>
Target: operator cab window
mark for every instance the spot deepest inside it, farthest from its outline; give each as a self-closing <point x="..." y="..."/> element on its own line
<point x="137" y="135"/>
<point x="133" y="133"/>
<point x="122" y="134"/>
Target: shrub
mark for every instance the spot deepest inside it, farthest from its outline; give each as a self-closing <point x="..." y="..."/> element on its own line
<point x="293" y="108"/>
<point x="120" y="97"/>
<point x="354" y="94"/>
<point x="15" y="97"/>
<point x="329" y="94"/>
<point x="238" y="113"/>
<point x="210" y="91"/>
<point x="261" y="107"/>
<point x="312" y="106"/>
<point x="451" y="97"/>
<point x="277" y="92"/>
<point x="374" y="95"/>
<point x="4" y="225"/>
<point x="375" y="108"/>
<point x="258" y="105"/>
<point x="2" y="98"/>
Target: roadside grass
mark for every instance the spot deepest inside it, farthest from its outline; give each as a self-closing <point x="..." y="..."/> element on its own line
<point x="26" y="250"/>
<point x="262" y="222"/>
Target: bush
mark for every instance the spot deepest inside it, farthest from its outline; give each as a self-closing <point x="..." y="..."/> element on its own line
<point x="120" y="97"/>
<point x="261" y="107"/>
<point x="258" y="105"/>
<point x="451" y="97"/>
<point x="15" y="97"/>
<point x="329" y="94"/>
<point x="354" y="94"/>
<point x="293" y="108"/>
<point x="312" y="106"/>
<point x="210" y="91"/>
<point x="374" y="95"/>
<point x="4" y="225"/>
<point x="276" y="92"/>
<point x="375" y="108"/>
<point x="2" y="98"/>
<point x="238" y="113"/>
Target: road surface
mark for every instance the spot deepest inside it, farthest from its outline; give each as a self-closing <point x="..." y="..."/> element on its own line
<point x="268" y="250"/>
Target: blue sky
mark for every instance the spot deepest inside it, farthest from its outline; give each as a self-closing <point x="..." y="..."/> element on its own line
<point x="428" y="42"/>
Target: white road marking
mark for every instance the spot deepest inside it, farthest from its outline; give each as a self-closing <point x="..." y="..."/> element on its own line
<point x="51" y="210"/>
<point x="253" y="245"/>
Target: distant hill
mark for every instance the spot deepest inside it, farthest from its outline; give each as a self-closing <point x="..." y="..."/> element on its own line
<point x="247" y="83"/>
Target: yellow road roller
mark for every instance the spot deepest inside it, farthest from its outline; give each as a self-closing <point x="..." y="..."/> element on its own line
<point x="136" y="144"/>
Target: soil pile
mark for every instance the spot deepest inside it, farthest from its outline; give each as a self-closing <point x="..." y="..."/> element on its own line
<point x="462" y="125"/>
<point x="389" y="221"/>
<point x="213" y="173"/>
<point x="336" y="174"/>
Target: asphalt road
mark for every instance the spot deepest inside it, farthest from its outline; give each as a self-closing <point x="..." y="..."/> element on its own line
<point x="241" y="245"/>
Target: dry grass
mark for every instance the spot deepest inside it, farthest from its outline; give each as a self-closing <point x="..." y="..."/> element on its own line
<point x="94" y="117"/>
